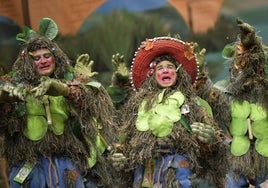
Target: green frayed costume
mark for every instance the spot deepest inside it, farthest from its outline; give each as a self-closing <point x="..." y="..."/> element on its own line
<point x="74" y="120"/>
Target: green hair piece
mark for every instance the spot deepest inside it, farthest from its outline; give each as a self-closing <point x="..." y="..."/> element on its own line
<point x="47" y="28"/>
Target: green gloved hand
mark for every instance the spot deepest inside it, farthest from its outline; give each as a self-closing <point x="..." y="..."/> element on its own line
<point x="51" y="87"/>
<point x="83" y="66"/>
<point x="119" y="161"/>
<point x="119" y="66"/>
<point x="13" y="91"/>
<point x="247" y="35"/>
<point x="201" y="59"/>
<point x="177" y="36"/>
<point x="200" y="55"/>
<point x="204" y="132"/>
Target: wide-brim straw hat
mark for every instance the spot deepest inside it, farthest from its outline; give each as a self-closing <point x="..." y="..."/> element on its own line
<point x="182" y="52"/>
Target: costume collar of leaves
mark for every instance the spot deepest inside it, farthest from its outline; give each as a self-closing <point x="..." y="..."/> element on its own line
<point x="47" y="28"/>
<point x="161" y="117"/>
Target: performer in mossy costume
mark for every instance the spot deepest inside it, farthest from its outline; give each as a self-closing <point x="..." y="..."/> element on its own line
<point x="168" y="137"/>
<point x="243" y="107"/>
<point x="57" y="121"/>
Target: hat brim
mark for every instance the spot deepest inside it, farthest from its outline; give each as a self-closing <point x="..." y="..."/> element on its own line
<point x="178" y="49"/>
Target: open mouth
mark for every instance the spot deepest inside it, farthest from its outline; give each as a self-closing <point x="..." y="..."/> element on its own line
<point x="166" y="78"/>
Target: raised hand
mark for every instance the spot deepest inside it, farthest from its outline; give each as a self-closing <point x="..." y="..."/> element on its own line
<point x="247" y="35"/>
<point x="83" y="66"/>
<point x="200" y="55"/>
<point x="119" y="65"/>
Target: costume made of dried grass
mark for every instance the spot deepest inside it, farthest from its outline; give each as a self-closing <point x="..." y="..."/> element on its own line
<point x="90" y="114"/>
<point x="144" y="145"/>
<point x="248" y="85"/>
<point x="251" y="84"/>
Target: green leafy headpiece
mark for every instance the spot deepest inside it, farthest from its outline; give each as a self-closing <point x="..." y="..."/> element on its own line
<point x="47" y="28"/>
